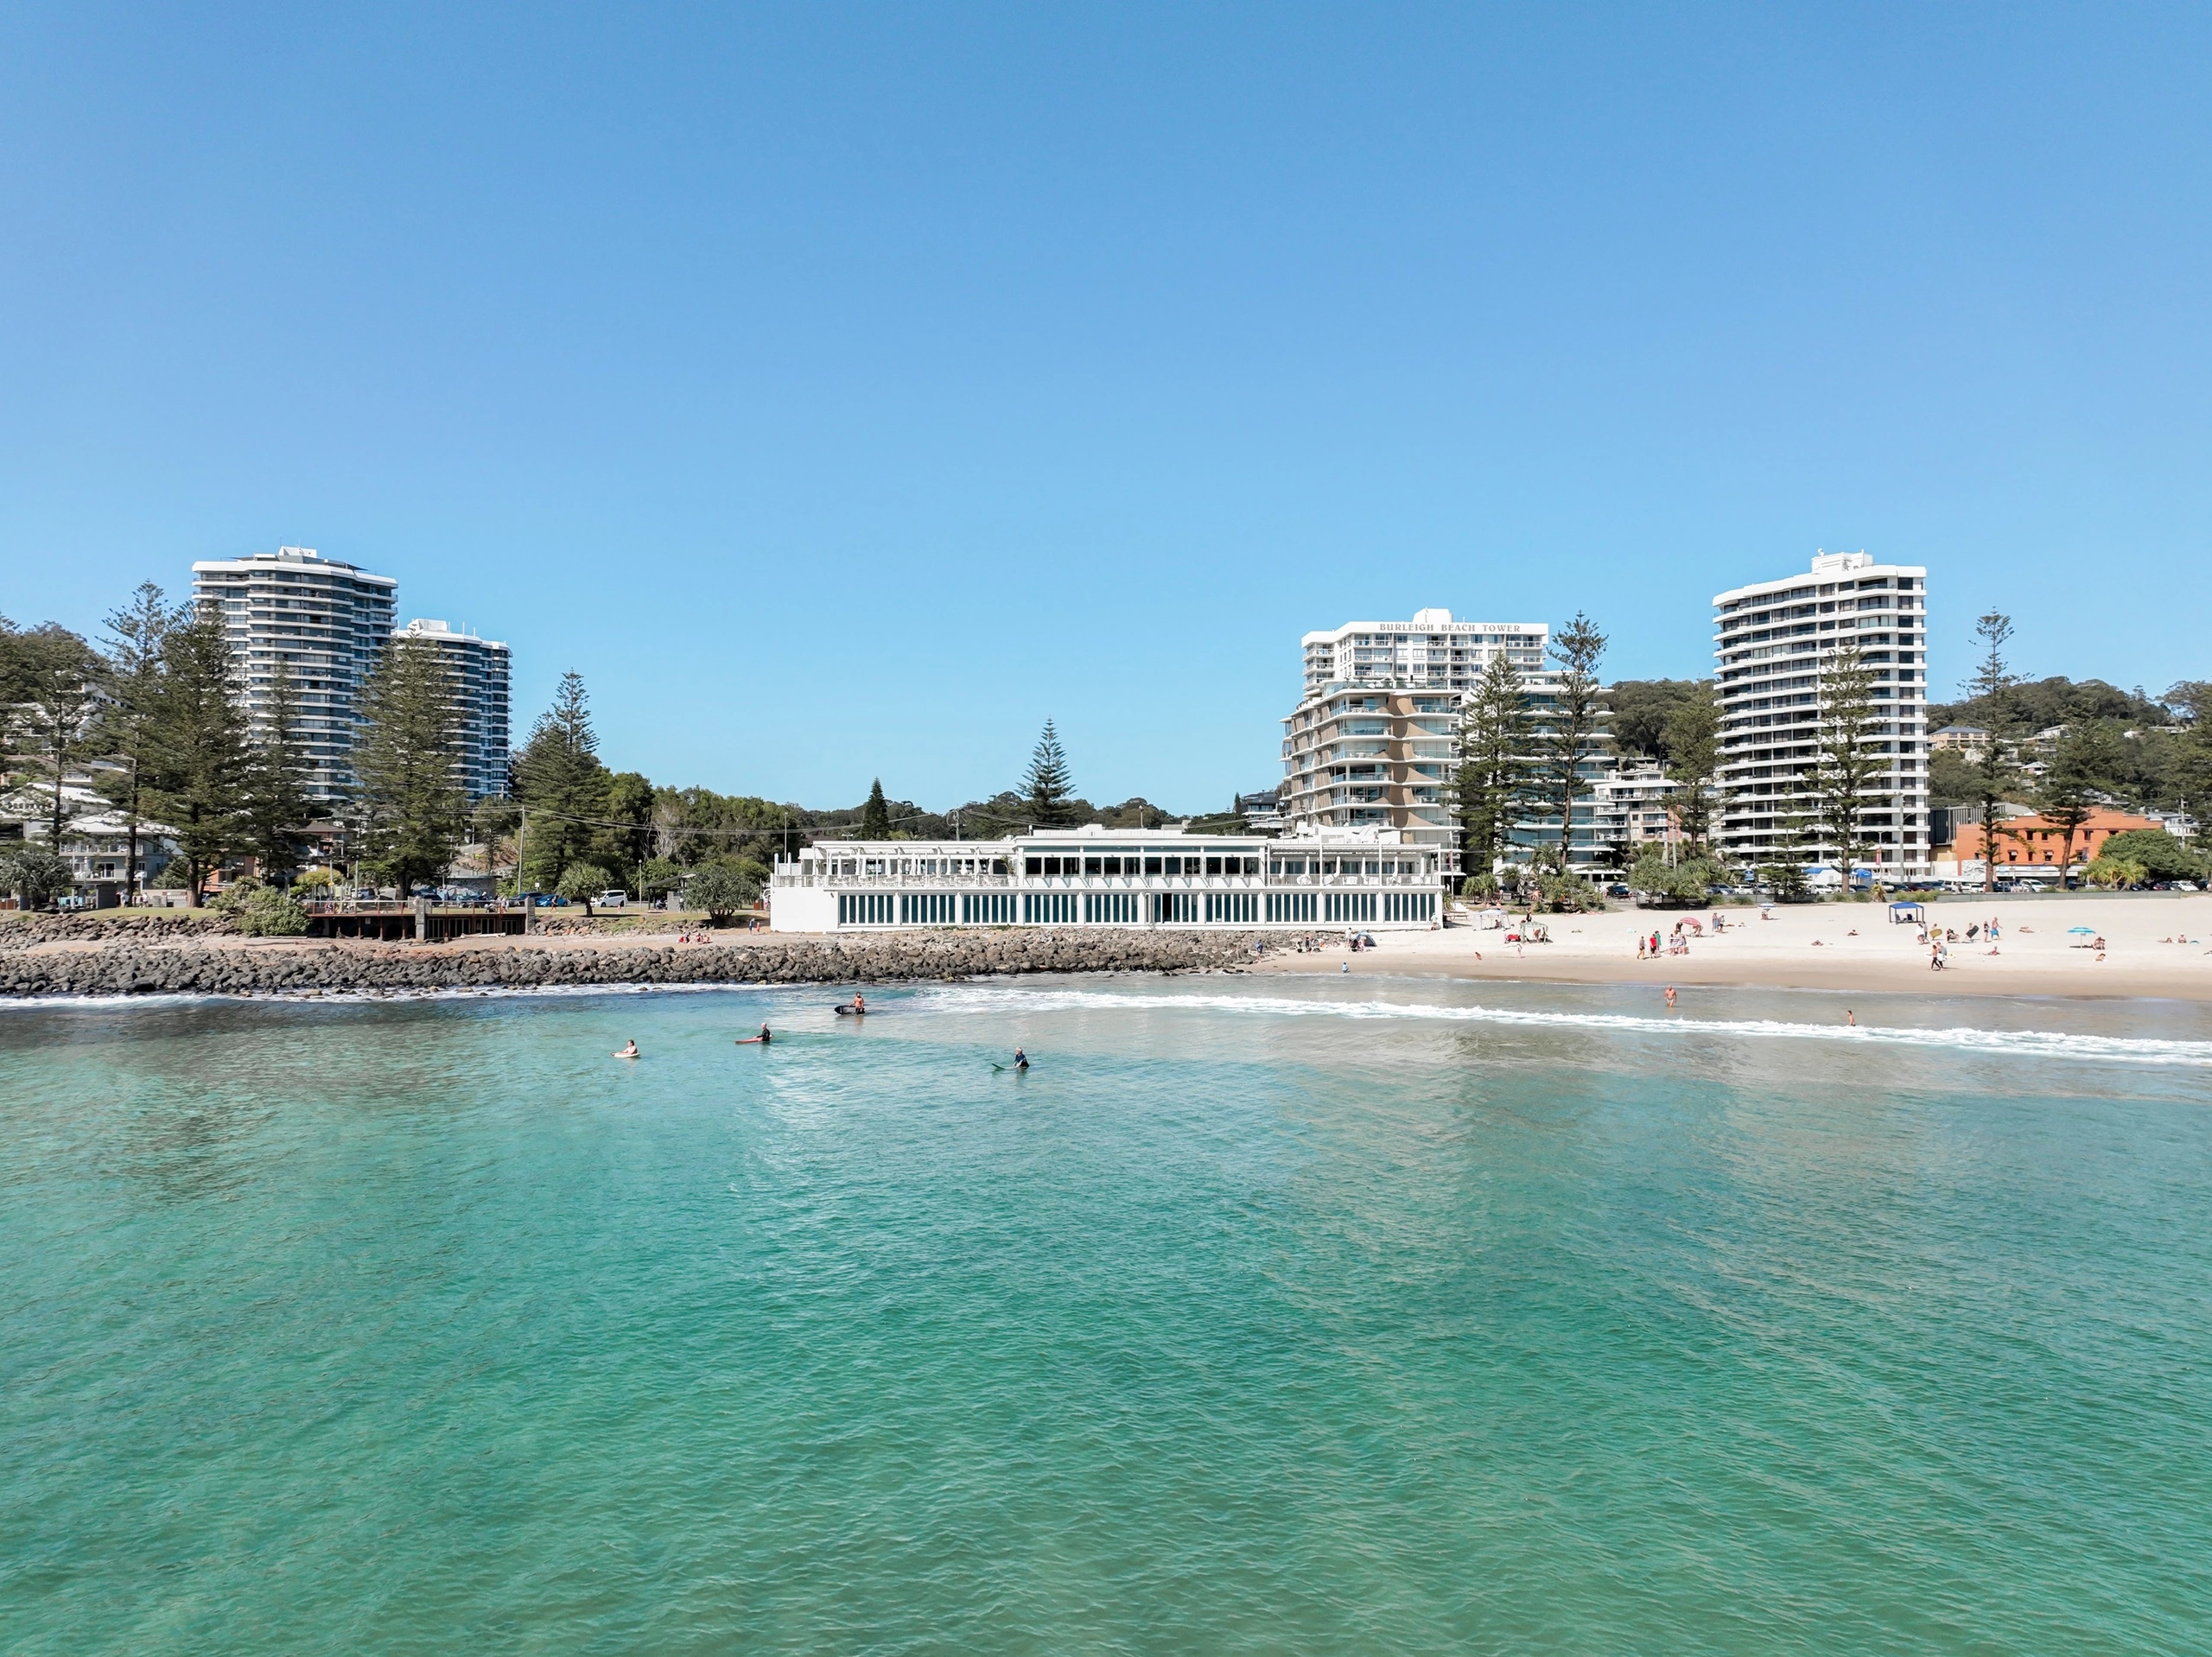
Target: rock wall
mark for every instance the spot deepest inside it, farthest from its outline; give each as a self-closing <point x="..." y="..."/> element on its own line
<point x="127" y="966"/>
<point x="22" y="931"/>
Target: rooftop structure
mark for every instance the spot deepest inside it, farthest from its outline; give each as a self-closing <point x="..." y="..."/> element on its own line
<point x="479" y="671"/>
<point x="1430" y="652"/>
<point x="1774" y="643"/>
<point x="1095" y="876"/>
<point x="95" y="837"/>
<point x="325" y="622"/>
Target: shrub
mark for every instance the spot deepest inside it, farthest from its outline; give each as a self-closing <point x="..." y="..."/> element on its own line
<point x="267" y="912"/>
<point x="720" y="889"/>
<point x="234" y="895"/>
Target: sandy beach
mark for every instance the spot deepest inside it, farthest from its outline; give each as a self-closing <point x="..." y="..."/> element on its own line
<point x="2155" y="946"/>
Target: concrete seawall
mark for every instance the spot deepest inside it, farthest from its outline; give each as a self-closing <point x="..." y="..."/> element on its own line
<point x="140" y="964"/>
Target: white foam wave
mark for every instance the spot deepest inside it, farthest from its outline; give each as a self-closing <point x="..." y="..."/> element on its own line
<point x="2016" y="1043"/>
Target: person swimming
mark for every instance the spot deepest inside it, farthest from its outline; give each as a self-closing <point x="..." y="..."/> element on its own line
<point x="629" y="1050"/>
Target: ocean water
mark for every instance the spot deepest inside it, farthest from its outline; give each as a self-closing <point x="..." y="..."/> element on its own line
<point x="1260" y="1315"/>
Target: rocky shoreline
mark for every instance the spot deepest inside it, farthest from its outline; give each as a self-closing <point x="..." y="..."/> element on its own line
<point x="144" y="963"/>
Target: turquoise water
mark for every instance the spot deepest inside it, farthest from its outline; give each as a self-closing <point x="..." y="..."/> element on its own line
<point x="1262" y="1316"/>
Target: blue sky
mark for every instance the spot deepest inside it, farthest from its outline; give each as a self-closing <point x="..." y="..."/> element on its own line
<point x="842" y="390"/>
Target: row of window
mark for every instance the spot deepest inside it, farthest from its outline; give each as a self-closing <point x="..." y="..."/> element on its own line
<point x="1128" y="908"/>
<point x="1134" y="864"/>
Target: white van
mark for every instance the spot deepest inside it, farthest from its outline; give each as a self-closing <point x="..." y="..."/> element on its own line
<point x="610" y="900"/>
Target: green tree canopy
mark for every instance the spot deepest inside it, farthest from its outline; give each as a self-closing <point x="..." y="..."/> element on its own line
<point x="1994" y="774"/>
<point x="36" y="875"/>
<point x="412" y="809"/>
<point x="721" y="889"/>
<point x="276" y="808"/>
<point x="1570" y="728"/>
<point x="1847" y="758"/>
<point x="2162" y="854"/>
<point x="1494" y="764"/>
<point x="582" y="882"/>
<point x="1693" y="745"/>
<point x="58" y="681"/>
<point x="876" y="816"/>
<point x="1045" y="785"/>
<point x="136" y="634"/>
<point x="1642" y="710"/>
<point x="197" y="752"/>
<point x="558" y="776"/>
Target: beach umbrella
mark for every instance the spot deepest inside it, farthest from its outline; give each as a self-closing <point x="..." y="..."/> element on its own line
<point x="2083" y="931"/>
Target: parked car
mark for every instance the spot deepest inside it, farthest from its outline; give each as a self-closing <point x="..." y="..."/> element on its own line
<point x="612" y="899"/>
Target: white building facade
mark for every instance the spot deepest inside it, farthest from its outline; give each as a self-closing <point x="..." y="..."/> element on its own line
<point x="1373" y="741"/>
<point x="1432" y="652"/>
<point x="1093" y="876"/>
<point x="1772" y="642"/>
<point x="95" y="837"/>
<point x="479" y="671"/>
<point x="325" y="621"/>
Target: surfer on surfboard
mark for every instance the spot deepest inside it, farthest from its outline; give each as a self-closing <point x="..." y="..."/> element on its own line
<point x="762" y="1039"/>
<point x="858" y="1004"/>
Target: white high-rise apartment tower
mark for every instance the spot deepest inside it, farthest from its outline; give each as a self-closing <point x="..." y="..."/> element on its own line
<point x="326" y="621"/>
<point x="1771" y="641"/>
<point x="1375" y="736"/>
<point x="479" y="671"/>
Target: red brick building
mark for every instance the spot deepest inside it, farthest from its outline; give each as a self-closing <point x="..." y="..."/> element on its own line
<point x="2037" y="842"/>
